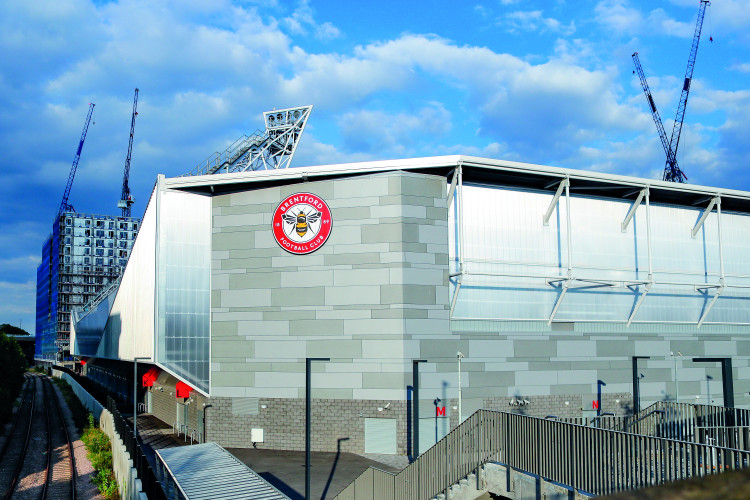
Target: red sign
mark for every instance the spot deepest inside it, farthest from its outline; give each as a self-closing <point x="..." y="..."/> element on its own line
<point x="302" y="223"/>
<point x="440" y="411"/>
<point x="595" y="405"/>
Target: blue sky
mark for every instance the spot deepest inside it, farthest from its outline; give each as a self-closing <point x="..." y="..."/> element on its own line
<point x="547" y="82"/>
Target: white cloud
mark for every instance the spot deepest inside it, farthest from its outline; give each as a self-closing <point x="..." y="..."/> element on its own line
<point x="535" y="21"/>
<point x="388" y="135"/>
<point x="622" y="19"/>
<point x="303" y="19"/>
<point x="741" y="67"/>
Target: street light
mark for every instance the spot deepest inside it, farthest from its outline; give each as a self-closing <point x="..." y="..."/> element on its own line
<point x="460" y="356"/>
<point x="308" y="378"/>
<point x="135" y="392"/>
<point x="415" y="404"/>
<point x="676" y="378"/>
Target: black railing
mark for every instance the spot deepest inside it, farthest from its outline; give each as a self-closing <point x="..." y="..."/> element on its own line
<point x="151" y="486"/>
<point x="109" y="400"/>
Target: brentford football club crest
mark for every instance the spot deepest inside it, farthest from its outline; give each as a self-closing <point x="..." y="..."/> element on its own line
<point x="302" y="223"/>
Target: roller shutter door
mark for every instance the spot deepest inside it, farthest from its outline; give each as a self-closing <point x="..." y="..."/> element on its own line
<point x="380" y="435"/>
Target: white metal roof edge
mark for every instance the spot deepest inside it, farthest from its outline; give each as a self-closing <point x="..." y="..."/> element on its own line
<point x="298" y="173"/>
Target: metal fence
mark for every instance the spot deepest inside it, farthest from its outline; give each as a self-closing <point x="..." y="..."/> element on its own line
<point x="590" y="459"/>
<point x="151" y="486"/>
<point x="705" y="424"/>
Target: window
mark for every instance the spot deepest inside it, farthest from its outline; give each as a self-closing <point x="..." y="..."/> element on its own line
<point x="86" y="260"/>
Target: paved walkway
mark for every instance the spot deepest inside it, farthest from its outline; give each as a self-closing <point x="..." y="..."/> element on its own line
<point x="155" y="435"/>
<point x="329" y="472"/>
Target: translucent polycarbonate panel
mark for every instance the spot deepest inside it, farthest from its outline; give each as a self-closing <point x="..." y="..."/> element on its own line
<point x="679" y="257"/>
<point x="515" y="263"/>
<point x="88" y="331"/>
<point x="184" y="270"/>
<point x="735" y="232"/>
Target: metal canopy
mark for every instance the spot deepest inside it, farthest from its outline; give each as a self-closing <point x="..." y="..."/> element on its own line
<point x="209" y="471"/>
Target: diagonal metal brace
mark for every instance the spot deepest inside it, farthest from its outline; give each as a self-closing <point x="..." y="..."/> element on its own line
<point x="563" y="184"/>
<point x="718" y="292"/>
<point x="709" y="208"/>
<point x="632" y="210"/>
<point x="565" y="286"/>
<point x="640" y="301"/>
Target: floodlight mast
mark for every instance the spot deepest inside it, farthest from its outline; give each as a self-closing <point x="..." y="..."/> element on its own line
<point x="270" y="149"/>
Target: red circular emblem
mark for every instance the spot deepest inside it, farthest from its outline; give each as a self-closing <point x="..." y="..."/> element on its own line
<point x="302" y="223"/>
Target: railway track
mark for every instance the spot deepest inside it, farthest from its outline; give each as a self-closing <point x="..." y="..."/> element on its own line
<point x="36" y="461"/>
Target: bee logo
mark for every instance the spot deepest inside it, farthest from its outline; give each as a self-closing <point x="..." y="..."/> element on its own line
<point x="302" y="223"/>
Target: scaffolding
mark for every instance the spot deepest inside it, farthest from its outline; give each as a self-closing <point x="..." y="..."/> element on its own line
<point x="84" y="254"/>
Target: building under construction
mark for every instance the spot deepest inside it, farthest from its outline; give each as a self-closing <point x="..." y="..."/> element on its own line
<point x="84" y="255"/>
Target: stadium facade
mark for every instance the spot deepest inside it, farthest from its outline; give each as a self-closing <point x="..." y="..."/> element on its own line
<point x="554" y="285"/>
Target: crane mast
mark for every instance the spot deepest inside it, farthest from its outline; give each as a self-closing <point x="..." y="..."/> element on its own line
<point x="674" y="174"/>
<point x="672" y="171"/>
<point x="126" y="201"/>
<point x="64" y="205"/>
<point x="671" y="160"/>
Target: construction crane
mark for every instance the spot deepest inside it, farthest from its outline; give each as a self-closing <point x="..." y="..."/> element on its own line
<point x="671" y="159"/>
<point x="64" y="205"/>
<point x="126" y="200"/>
<point x="672" y="171"/>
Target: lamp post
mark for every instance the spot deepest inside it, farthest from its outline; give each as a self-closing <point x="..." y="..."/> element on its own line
<point x="460" y="356"/>
<point x="637" y="384"/>
<point x="308" y="377"/>
<point x="676" y="378"/>
<point x="135" y="392"/>
<point x="415" y="404"/>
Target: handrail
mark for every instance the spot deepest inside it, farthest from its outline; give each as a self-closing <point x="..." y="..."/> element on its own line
<point x="595" y="460"/>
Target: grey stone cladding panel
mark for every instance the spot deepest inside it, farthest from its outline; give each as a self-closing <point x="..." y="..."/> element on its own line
<point x="382" y="275"/>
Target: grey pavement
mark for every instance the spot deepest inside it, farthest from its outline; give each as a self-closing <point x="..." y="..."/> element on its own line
<point x="330" y="472"/>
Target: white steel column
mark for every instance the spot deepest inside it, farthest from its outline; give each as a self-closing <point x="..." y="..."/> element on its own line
<point x="720" y="288"/>
<point x="647" y="194"/>
<point x="457" y="190"/>
<point x="566" y="282"/>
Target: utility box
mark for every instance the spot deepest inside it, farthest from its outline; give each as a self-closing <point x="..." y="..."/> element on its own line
<point x="256" y="435"/>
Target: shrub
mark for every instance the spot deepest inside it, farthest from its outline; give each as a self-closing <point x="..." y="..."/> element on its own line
<point x="99" y="452"/>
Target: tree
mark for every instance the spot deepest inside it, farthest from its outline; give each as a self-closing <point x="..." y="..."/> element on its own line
<point x="12" y="367"/>
<point x="12" y="330"/>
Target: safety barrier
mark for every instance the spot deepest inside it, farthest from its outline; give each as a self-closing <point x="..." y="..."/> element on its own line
<point x="589" y="459"/>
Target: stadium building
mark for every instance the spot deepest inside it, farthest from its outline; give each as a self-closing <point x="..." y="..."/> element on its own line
<point x="554" y="291"/>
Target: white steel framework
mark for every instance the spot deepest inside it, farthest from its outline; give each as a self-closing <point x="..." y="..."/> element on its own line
<point x="270" y="149"/>
<point x="564" y="283"/>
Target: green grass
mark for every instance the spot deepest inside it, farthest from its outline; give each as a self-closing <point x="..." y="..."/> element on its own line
<point x="80" y="413"/>
<point x="99" y="452"/>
